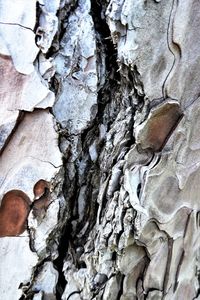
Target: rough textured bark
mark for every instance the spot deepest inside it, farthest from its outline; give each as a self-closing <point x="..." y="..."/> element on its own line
<point x="99" y="149"/>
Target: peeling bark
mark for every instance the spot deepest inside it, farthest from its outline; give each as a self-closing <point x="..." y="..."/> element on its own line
<point x="99" y="150"/>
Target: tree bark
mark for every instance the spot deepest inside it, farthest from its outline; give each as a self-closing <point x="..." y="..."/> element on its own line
<point x="99" y="149"/>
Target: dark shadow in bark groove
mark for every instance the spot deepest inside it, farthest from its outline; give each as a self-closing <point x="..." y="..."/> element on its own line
<point x="71" y="239"/>
<point x="58" y="263"/>
<point x="178" y="271"/>
<point x="121" y="278"/>
<point x="102" y="28"/>
<point x="69" y="189"/>
<point x="112" y="75"/>
<point x="167" y="271"/>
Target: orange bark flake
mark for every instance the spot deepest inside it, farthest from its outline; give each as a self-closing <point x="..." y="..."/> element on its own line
<point x="14" y="210"/>
<point x="156" y="130"/>
<point x="42" y="197"/>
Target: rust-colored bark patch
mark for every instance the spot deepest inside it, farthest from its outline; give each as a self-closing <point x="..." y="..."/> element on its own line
<point x="12" y="82"/>
<point x="162" y="120"/>
<point x="14" y="210"/>
<point x="39" y="188"/>
<point x="42" y="197"/>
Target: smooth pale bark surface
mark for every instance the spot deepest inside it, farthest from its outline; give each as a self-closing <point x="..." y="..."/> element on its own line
<point x="99" y="149"/>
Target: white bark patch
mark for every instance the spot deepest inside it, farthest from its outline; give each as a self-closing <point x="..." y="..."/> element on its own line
<point x="16" y="266"/>
<point x="46" y="280"/>
<point x="31" y="155"/>
<point x="76" y="62"/>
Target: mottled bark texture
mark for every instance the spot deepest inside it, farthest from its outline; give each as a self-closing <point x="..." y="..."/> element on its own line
<point x="99" y="149"/>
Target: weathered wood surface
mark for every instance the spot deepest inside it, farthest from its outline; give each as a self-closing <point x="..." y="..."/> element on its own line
<point x="99" y="149"/>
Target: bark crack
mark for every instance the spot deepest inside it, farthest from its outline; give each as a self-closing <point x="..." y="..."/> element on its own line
<point x="45" y="161"/>
<point x="17" y="24"/>
<point x="19" y="119"/>
<point x="167" y="270"/>
<point x="178" y="270"/>
<point x="174" y="48"/>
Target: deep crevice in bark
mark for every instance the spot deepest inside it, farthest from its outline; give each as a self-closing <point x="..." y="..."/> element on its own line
<point x="66" y="233"/>
<point x="58" y="263"/>
<point x="105" y="93"/>
<point x="121" y="283"/>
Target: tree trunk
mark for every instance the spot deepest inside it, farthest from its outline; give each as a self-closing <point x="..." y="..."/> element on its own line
<point x="99" y="147"/>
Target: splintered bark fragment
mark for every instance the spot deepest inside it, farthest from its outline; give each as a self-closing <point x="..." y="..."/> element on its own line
<point x="14" y="210"/>
<point x="154" y="132"/>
